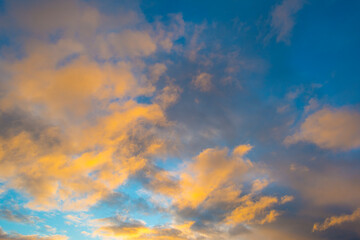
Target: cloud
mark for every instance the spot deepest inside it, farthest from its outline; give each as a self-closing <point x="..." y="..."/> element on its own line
<point x="80" y="131"/>
<point x="201" y="179"/>
<point x="210" y="191"/>
<point x="17" y="216"/>
<point x="127" y="228"/>
<point x="337" y="220"/>
<point x="202" y="82"/>
<point x="16" y="236"/>
<point x="249" y="210"/>
<point x="259" y="184"/>
<point x="324" y="184"/>
<point x="283" y="19"/>
<point x="156" y="71"/>
<point x="168" y="96"/>
<point x="336" y="129"/>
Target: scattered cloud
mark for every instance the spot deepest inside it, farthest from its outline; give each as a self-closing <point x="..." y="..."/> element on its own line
<point x="16" y="236"/>
<point x="127" y="228"/>
<point x="80" y="93"/>
<point x="283" y="19"/>
<point x="337" y="220"/>
<point x="103" y="131"/>
<point x="16" y="216"/>
<point x="336" y="129"/>
<point x="202" y="82"/>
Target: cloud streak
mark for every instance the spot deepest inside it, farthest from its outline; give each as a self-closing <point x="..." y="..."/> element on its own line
<point x="337" y="220"/>
<point x="283" y="19"/>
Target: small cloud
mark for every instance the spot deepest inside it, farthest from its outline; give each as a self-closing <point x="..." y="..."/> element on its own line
<point x="241" y="150"/>
<point x="86" y="233"/>
<point x="16" y="216"/>
<point x="298" y="168"/>
<point x="283" y="108"/>
<point x="295" y="94"/>
<point x="168" y="95"/>
<point x="336" y="129"/>
<point x="286" y="199"/>
<point x="259" y="185"/>
<point x="283" y="19"/>
<point x="312" y="105"/>
<point x="155" y="71"/>
<point x="17" y="236"/>
<point x="337" y="220"/>
<point x="270" y="217"/>
<point x="50" y="229"/>
<point x="203" y="82"/>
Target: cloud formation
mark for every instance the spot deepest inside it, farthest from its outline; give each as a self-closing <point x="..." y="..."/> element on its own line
<point x="202" y="82"/>
<point x="337" y="220"/>
<point x="16" y="216"/>
<point x="16" y="236"/>
<point x="119" y="120"/>
<point x="336" y="129"/>
<point x="283" y="19"/>
<point x="119" y="227"/>
<point x="210" y="191"/>
<point x="81" y="94"/>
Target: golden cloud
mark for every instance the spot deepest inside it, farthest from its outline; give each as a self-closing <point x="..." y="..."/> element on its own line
<point x="336" y="129"/>
<point x="337" y="220"/>
<point x="88" y="132"/>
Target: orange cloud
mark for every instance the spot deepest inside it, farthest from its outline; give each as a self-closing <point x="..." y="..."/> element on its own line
<point x="214" y="180"/>
<point x="118" y="227"/>
<point x="17" y="236"/>
<point x="89" y="133"/>
<point x="202" y="82"/>
<point x="337" y="129"/>
<point x="250" y="209"/>
<point x="337" y="220"/>
<point x="204" y="176"/>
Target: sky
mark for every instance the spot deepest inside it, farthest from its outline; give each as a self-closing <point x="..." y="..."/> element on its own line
<point x="179" y="120"/>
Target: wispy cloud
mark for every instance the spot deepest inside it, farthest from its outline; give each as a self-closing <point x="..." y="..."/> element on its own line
<point x="16" y="216"/>
<point x="283" y="19"/>
<point x="337" y="220"/>
<point x="16" y="236"/>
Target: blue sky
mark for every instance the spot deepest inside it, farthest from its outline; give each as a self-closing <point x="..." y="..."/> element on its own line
<point x="179" y="120"/>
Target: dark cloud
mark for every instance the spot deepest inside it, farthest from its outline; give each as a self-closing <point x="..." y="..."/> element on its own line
<point x="16" y="216"/>
<point x="16" y="236"/>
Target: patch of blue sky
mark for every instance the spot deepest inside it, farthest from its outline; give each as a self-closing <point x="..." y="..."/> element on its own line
<point x="9" y="200"/>
<point x="143" y="99"/>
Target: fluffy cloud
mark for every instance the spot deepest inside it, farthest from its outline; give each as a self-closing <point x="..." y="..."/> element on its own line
<point x="203" y="177"/>
<point x="79" y="131"/>
<point x="337" y="129"/>
<point x="202" y="82"/>
<point x="210" y="191"/>
<point x="337" y="220"/>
